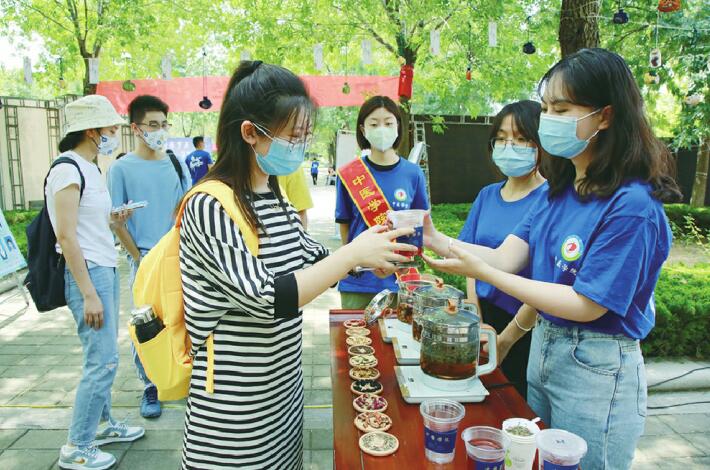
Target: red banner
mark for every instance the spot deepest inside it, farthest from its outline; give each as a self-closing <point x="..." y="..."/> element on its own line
<point x="365" y="192"/>
<point x="184" y="94"/>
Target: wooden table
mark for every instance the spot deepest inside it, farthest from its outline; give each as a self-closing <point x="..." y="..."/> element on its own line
<point x="501" y="404"/>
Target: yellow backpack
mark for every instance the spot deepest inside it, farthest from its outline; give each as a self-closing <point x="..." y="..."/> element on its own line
<point x="166" y="358"/>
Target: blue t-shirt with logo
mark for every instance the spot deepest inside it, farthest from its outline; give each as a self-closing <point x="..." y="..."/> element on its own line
<point x="197" y="162"/>
<point x="489" y="221"/>
<point x="404" y="186"/>
<point x="608" y="249"/>
<point x="314" y="167"/>
<point x="134" y="179"/>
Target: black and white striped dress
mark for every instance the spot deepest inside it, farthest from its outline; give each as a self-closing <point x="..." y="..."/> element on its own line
<point x="254" y="419"/>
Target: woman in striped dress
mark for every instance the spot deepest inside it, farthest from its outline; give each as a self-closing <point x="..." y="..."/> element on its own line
<point x="251" y="304"/>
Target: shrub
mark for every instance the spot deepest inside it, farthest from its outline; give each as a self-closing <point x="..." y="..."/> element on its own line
<point x="18" y="222"/>
<point x="682" y="313"/>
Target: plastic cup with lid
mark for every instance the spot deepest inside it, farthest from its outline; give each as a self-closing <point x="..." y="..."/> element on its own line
<point x="559" y="449"/>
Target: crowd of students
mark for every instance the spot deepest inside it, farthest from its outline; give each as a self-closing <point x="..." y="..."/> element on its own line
<point x="562" y="255"/>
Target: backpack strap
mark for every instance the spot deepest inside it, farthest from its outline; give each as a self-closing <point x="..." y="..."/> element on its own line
<point x="69" y="161"/>
<point x="176" y="165"/>
<point x="225" y="196"/>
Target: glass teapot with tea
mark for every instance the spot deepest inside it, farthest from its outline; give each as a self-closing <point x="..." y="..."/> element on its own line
<point x="434" y="295"/>
<point x="451" y="341"/>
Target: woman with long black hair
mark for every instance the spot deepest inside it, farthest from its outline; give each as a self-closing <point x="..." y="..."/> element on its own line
<point x="595" y="245"/>
<point x="251" y="303"/>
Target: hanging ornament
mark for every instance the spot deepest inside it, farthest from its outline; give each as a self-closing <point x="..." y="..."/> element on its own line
<point x="205" y="103"/>
<point x="492" y="34"/>
<point x="346" y="85"/>
<point x="529" y="47"/>
<point x="366" y="47"/>
<point x="93" y="71"/>
<point x="620" y="17"/>
<point x="166" y="67"/>
<point x="27" y="65"/>
<point x="406" y="77"/>
<point x="469" y="67"/>
<point x="667" y="6"/>
<point x="694" y="99"/>
<point x="318" y="56"/>
<point x="435" y="42"/>
<point x="654" y="58"/>
<point x="127" y="85"/>
<point x="651" y="78"/>
<point x="62" y="84"/>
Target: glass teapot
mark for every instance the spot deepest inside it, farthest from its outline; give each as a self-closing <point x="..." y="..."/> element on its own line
<point x="431" y="296"/>
<point x="451" y="342"/>
<point x="406" y="297"/>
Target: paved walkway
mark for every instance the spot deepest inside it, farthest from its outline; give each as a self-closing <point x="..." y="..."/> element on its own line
<point x="40" y="365"/>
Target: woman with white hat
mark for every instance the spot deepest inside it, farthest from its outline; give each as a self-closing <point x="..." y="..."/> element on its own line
<point x="79" y="208"/>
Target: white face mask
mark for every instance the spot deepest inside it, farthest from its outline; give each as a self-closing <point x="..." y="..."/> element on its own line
<point x="381" y="137"/>
<point x="156" y="140"/>
<point x="107" y="144"/>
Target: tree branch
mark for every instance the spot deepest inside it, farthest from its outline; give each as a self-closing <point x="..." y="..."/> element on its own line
<point x="86" y="20"/>
<point x="365" y="26"/>
<point x="45" y="16"/>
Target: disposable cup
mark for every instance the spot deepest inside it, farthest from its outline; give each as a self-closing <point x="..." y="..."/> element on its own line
<point x="559" y="450"/>
<point x="441" y="424"/>
<point x="485" y="448"/>
<point x="412" y="218"/>
<point x="521" y="452"/>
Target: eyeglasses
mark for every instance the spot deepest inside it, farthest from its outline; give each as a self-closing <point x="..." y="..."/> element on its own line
<point x="518" y="146"/>
<point x="154" y="126"/>
<point x="305" y="141"/>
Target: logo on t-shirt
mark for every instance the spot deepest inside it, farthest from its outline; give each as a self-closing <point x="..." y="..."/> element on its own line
<point x="572" y="248"/>
<point x="400" y="195"/>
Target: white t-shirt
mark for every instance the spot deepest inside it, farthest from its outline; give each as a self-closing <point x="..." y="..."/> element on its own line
<point x="92" y="230"/>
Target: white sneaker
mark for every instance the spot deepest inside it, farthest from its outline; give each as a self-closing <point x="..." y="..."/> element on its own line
<point x="118" y="431"/>
<point x="84" y="458"/>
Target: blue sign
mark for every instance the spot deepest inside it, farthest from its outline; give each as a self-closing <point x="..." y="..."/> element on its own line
<point x="11" y="259"/>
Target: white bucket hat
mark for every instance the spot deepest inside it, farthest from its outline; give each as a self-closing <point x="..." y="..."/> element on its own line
<point x="90" y="112"/>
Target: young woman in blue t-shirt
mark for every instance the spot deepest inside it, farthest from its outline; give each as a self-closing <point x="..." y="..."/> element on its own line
<point x="595" y="246"/>
<point x="379" y="127"/>
<point x="495" y="213"/>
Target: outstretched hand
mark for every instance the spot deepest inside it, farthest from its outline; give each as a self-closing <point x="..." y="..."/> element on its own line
<point x="459" y="262"/>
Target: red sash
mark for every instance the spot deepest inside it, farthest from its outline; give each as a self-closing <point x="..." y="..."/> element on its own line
<point x="367" y="196"/>
<point x="365" y="192"/>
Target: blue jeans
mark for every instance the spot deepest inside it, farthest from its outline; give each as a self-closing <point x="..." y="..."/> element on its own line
<point x="136" y="359"/>
<point x="93" y="396"/>
<point x="591" y="384"/>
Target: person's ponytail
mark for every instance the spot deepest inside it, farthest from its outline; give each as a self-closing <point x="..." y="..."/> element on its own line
<point x="71" y="141"/>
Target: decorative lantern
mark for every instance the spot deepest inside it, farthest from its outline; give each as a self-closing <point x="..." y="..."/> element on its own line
<point x="346" y="88"/>
<point x="620" y="17"/>
<point x="406" y="77"/>
<point x="667" y="6"/>
<point x="654" y="58"/>
<point x="529" y="48"/>
<point x="205" y="103"/>
<point x="651" y="78"/>
<point x="468" y="72"/>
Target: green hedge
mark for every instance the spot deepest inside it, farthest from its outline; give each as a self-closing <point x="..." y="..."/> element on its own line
<point x="18" y="222"/>
<point x="682" y="293"/>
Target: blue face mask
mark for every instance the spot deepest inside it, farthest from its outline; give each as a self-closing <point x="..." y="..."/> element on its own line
<point x="283" y="158"/>
<point x="512" y="162"/>
<point x="558" y="135"/>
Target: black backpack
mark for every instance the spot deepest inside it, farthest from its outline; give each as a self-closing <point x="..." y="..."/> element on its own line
<point x="45" y="279"/>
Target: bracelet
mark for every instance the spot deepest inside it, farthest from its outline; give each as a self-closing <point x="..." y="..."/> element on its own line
<point x="517" y="323"/>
